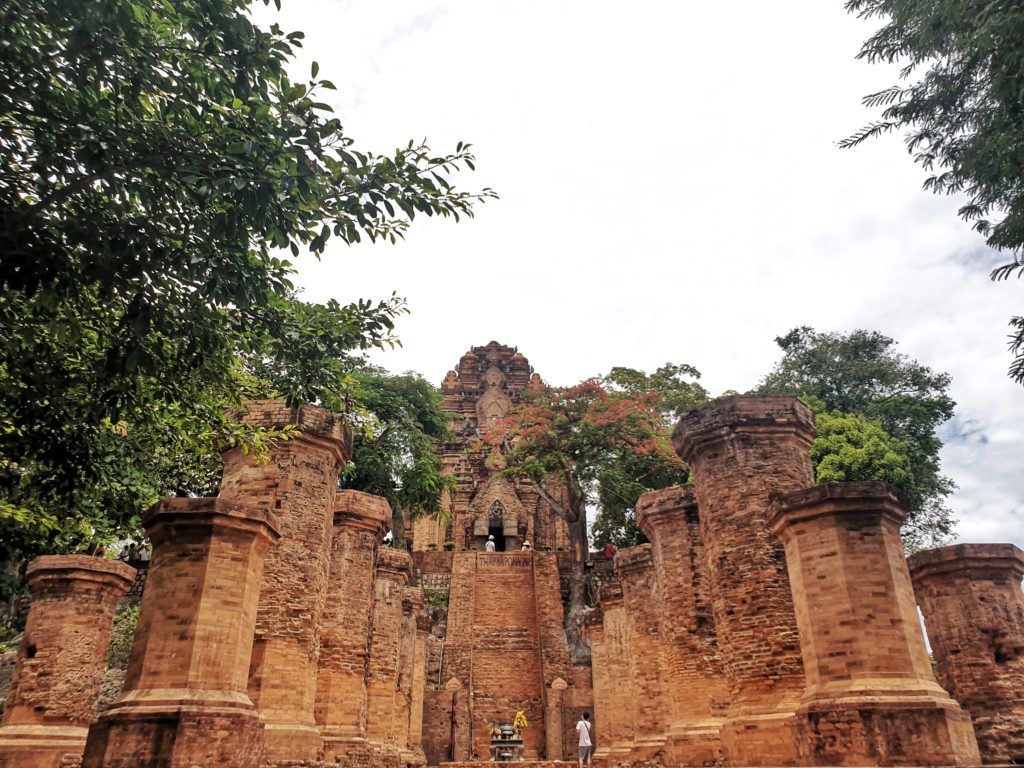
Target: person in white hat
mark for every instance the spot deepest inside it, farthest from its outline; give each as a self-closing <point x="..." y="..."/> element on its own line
<point x="526" y="547"/>
<point x="489" y="546"/>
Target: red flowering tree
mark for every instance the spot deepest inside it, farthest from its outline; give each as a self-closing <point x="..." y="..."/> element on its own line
<point x="566" y="440"/>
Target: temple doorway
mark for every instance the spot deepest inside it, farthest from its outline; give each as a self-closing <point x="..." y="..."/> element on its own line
<point x="498" y="532"/>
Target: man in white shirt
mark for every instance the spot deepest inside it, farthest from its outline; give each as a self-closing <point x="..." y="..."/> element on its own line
<point x="489" y="546"/>
<point x="583" y="728"/>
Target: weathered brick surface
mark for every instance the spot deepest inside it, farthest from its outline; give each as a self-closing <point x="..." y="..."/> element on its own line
<point x="643" y="604"/>
<point x="506" y="664"/>
<point x="742" y="450"/>
<point x="298" y="483"/>
<point x="868" y="672"/>
<point x="360" y="522"/>
<point x="614" y="693"/>
<point x="970" y="595"/>
<point x="698" y="688"/>
<point x="56" y="680"/>
<point x="384" y="663"/>
<point x="184" y="701"/>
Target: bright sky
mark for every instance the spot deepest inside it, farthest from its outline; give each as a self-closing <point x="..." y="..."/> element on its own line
<point x="671" y="190"/>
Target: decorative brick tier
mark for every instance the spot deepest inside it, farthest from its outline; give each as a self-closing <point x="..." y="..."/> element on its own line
<point x="59" y="667"/>
<point x="871" y="698"/>
<point x="360" y="522"/>
<point x="742" y="450"/>
<point x="184" y="701"/>
<point x="298" y="482"/>
<point x="970" y="595"/>
<point x="698" y="688"/>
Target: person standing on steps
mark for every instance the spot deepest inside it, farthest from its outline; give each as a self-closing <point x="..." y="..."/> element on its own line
<point x="583" y="728"/>
<point x="489" y="546"/>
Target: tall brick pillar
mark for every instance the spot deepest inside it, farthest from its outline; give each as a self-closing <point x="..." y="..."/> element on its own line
<point x="419" y="679"/>
<point x="871" y="698"/>
<point x="614" y="699"/>
<point x="184" y="701"/>
<point x="298" y="483"/>
<point x="412" y="607"/>
<point x="970" y="595"/>
<point x="360" y="522"/>
<point x="634" y="568"/>
<point x="393" y="570"/>
<point x="60" y="663"/>
<point x="698" y="688"/>
<point x="742" y="450"/>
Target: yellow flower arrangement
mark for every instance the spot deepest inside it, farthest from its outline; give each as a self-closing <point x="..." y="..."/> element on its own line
<point x="520" y="721"/>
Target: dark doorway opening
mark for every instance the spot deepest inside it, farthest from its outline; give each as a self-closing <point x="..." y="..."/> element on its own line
<point x="499" y="537"/>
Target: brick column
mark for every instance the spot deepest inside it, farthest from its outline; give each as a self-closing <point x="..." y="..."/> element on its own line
<point x="970" y="595"/>
<point x="698" y="688"/>
<point x="871" y="698"/>
<point x="741" y="450"/>
<point x="412" y="606"/>
<point x="554" y="719"/>
<point x="419" y="679"/>
<point x="393" y="567"/>
<point x="184" y="701"/>
<point x="614" y="698"/>
<point x="298" y="483"/>
<point x="634" y="568"/>
<point x="57" y="675"/>
<point x="360" y="522"/>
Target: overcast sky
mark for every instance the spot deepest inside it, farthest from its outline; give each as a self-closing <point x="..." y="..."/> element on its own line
<point x="671" y="190"/>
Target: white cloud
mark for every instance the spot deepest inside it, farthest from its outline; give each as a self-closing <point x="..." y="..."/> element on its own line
<point x="670" y="190"/>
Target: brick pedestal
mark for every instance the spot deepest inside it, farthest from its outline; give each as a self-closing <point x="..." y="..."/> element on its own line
<point x="60" y="663"/>
<point x="871" y="697"/>
<point x="634" y="568"/>
<point x="360" y="522"/>
<point x="184" y="701"/>
<point x="698" y="688"/>
<point x="970" y="595"/>
<point x="742" y="450"/>
<point x="298" y="483"/>
<point x="393" y="570"/>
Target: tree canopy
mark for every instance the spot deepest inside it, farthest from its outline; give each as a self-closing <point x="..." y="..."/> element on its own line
<point x="878" y="413"/>
<point x="395" y="453"/>
<point x="960" y="105"/>
<point x="159" y="170"/>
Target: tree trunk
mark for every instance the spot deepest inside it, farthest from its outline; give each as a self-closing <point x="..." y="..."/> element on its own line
<point x="579" y="648"/>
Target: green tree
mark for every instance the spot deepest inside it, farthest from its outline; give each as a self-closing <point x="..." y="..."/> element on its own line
<point x="861" y="374"/>
<point x="960" y="105"/>
<point x="158" y="164"/>
<point x="565" y="440"/>
<point x="620" y="484"/>
<point x="395" y="453"/>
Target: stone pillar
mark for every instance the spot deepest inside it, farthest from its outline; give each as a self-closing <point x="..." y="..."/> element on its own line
<point x="360" y="522"/>
<point x="634" y="568"/>
<point x="393" y="569"/>
<point x="614" y="696"/>
<point x="57" y="675"/>
<point x="419" y="679"/>
<point x="742" y="450"/>
<point x="184" y="701"/>
<point x="298" y="483"/>
<point x="698" y="688"/>
<point x="554" y="719"/>
<point x="871" y="698"/>
<point x="970" y="595"/>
